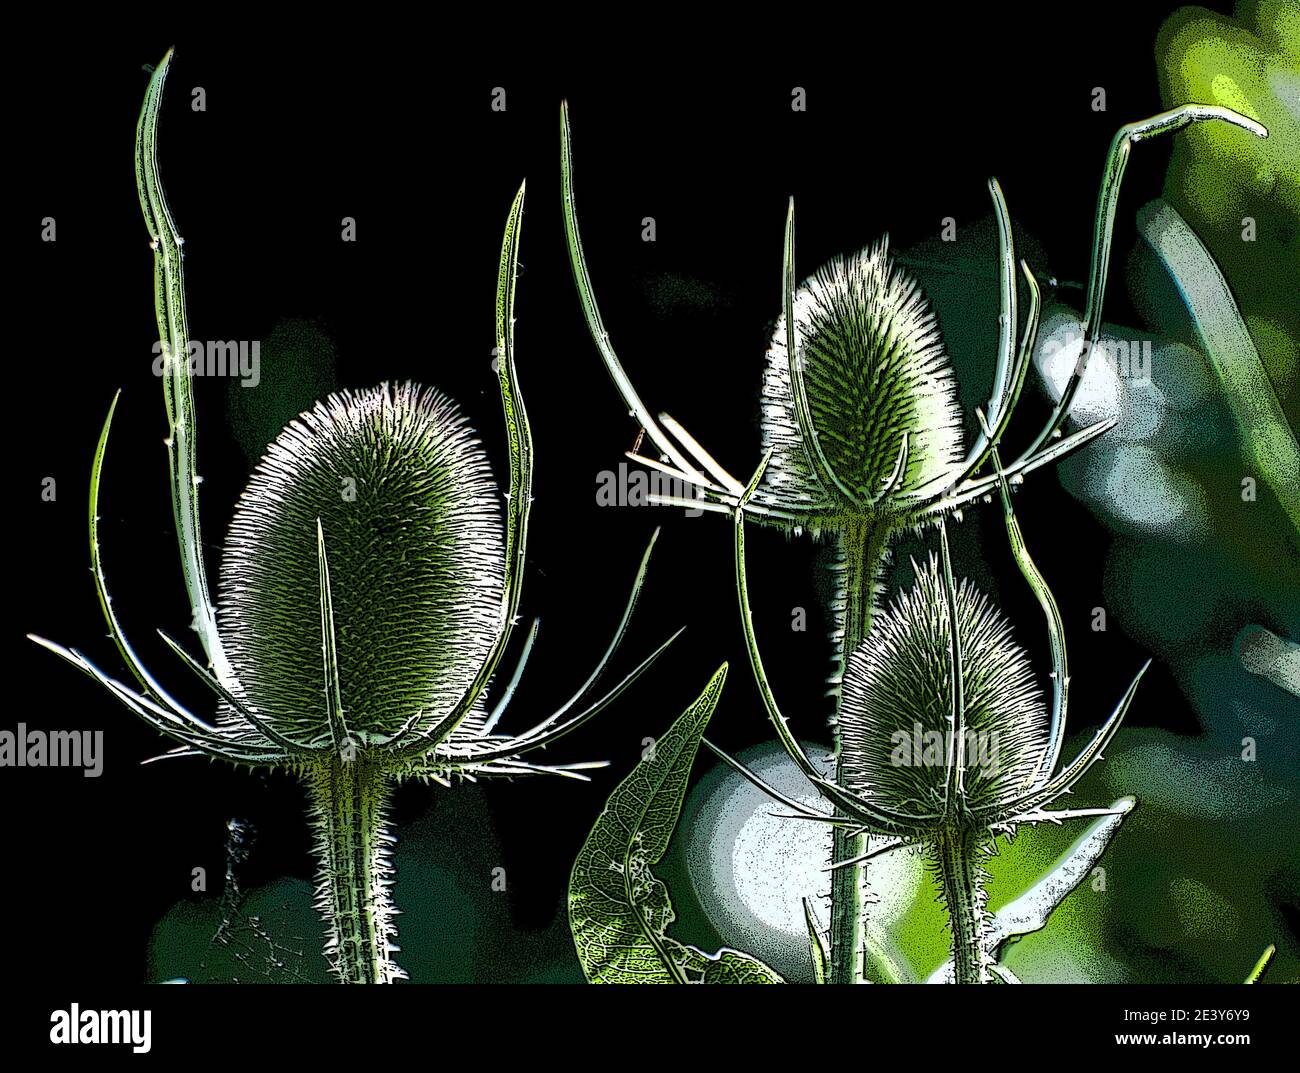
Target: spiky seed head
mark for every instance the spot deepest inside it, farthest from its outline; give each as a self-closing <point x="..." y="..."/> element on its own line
<point x="895" y="715"/>
<point x="414" y="542"/>
<point x="874" y="368"/>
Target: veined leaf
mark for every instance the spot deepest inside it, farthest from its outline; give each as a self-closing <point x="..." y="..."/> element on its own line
<point x="725" y="967"/>
<point x="619" y="911"/>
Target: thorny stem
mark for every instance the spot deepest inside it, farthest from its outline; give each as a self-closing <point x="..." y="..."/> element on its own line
<point x="960" y="877"/>
<point x="862" y="550"/>
<point x="348" y="805"/>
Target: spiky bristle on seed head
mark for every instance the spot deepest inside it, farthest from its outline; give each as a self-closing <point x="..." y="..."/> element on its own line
<point x="414" y="542"/>
<point x="896" y="712"/>
<point x="875" y="369"/>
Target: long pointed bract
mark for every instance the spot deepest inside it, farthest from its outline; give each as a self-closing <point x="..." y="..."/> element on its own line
<point x="1103" y="230"/>
<point x="178" y="391"/>
<point x="339" y="735"/>
<point x="519" y="498"/>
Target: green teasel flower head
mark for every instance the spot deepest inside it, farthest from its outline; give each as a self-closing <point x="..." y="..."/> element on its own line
<point x="840" y="418"/>
<point x="942" y="659"/>
<point x="410" y="514"/>
<point x="837" y="426"/>
<point x="371" y="581"/>
<point x="371" y="585"/>
<point x="943" y="739"/>
<point x="895" y="716"/>
<point x="879" y="394"/>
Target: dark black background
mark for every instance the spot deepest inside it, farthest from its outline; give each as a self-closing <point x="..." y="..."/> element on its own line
<point x="904" y="125"/>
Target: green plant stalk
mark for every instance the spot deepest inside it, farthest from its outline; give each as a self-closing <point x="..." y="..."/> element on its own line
<point x="862" y="550"/>
<point x="956" y="856"/>
<point x="348" y="804"/>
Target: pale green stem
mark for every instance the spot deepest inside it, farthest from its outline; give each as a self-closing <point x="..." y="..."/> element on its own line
<point x="960" y="877"/>
<point x="348" y="804"/>
<point x="862" y="548"/>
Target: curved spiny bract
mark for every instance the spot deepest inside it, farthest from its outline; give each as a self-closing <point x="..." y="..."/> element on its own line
<point x="896" y="709"/>
<point x="405" y="497"/>
<point x="880" y="392"/>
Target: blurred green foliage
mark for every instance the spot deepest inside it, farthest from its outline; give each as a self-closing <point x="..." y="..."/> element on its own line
<point x="1220" y="176"/>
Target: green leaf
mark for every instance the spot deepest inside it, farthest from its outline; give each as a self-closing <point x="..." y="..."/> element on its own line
<point x="619" y="911"/>
<point x="724" y="967"/>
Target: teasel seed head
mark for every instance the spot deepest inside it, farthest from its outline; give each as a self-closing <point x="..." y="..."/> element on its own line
<point x="410" y="515"/>
<point x="896" y="711"/>
<point x="875" y="372"/>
